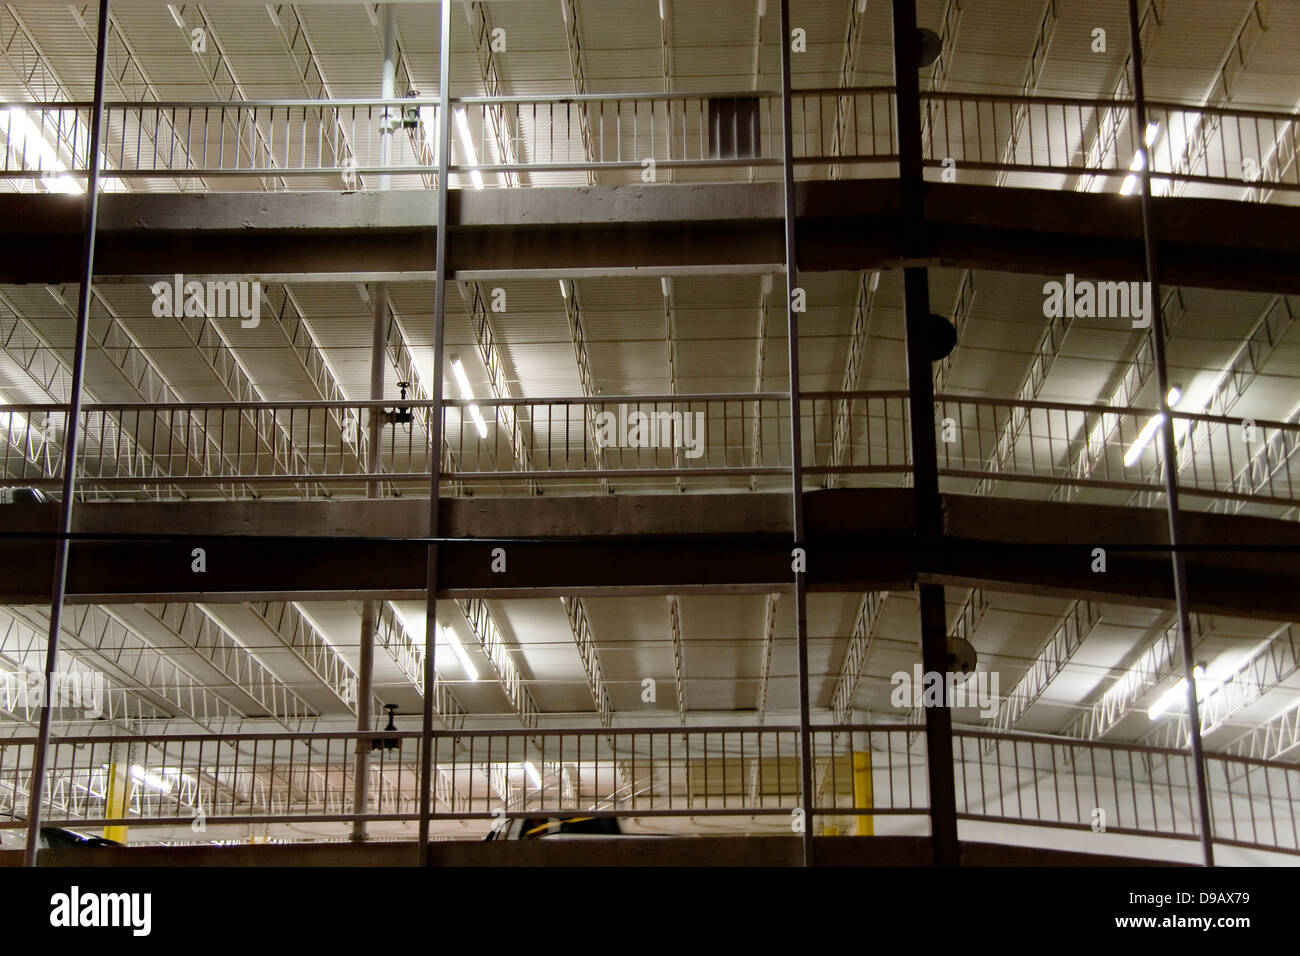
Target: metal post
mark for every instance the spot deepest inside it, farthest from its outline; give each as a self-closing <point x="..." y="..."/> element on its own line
<point x="1167" y="439"/>
<point x="374" y="488"/>
<point x="796" y="446"/>
<point x="435" y="433"/>
<point x="71" y="435"/>
<point x="920" y="384"/>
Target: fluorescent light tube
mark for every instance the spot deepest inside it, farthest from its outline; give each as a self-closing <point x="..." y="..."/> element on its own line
<point x="458" y="370"/>
<point x="1153" y="130"/>
<point x="1173" y="695"/>
<point x="564" y="289"/>
<point x="467" y="141"/>
<point x="533" y="775"/>
<point x="1129" y="184"/>
<point x="1144" y="438"/>
<point x="458" y="649"/>
<point x="153" y="781"/>
<point x="666" y="283"/>
<point x="1175" y="393"/>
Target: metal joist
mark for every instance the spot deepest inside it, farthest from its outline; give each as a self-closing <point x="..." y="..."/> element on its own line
<point x="1156" y="662"/>
<point x="1089" y="452"/>
<point x="1109" y="120"/>
<point x="497" y="116"/>
<point x="23" y="646"/>
<point x="128" y="74"/>
<point x="1220" y="93"/>
<point x="1067" y="636"/>
<point x="221" y="78"/>
<point x="841" y="436"/>
<point x="585" y="639"/>
<point x="950" y="24"/>
<point x="489" y="353"/>
<point x="484" y="628"/>
<point x="408" y="655"/>
<point x="679" y="656"/>
<point x="1045" y="355"/>
<point x="1265" y="465"/>
<point x="296" y="631"/>
<point x="1268" y="668"/>
<point x="1272" y="739"/>
<point x="962" y="307"/>
<point x="298" y="44"/>
<point x="1280" y="157"/>
<point x="577" y="70"/>
<point x="760" y="364"/>
<point x="199" y="630"/>
<point x="1242" y="368"/>
<point x="854" y="664"/>
<point x="1029" y="85"/>
<point x="577" y="331"/>
<point x="848" y="70"/>
<point x="765" y="665"/>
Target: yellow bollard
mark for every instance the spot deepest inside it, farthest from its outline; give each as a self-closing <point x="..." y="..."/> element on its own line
<point x="115" y="800"/>
<point x="862" y="791"/>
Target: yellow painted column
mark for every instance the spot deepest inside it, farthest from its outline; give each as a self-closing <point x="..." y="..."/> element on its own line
<point x="119" y="786"/>
<point x="862" y="791"/>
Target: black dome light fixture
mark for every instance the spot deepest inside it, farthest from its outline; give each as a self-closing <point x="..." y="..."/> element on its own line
<point x="943" y="337"/>
<point x="928" y="47"/>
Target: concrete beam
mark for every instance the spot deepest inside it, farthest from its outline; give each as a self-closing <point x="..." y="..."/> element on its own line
<point x="665" y="228"/>
<point x="859" y="540"/>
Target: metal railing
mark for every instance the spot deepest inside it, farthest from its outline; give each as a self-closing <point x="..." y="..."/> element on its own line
<point x="1076" y="137"/>
<point x="869" y="770"/>
<point x="335" y="144"/>
<point x="646" y="443"/>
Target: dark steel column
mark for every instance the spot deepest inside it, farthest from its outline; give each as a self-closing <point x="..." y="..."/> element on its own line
<point x="36" y="793"/>
<point x="435" y="433"/>
<point x="1167" y="439"/>
<point x="920" y="384"/>
<point x="796" y="446"/>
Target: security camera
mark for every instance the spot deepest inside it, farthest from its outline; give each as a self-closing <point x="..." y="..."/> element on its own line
<point x="961" y="656"/>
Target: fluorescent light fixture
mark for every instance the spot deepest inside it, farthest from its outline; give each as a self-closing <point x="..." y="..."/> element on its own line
<point x="458" y="370"/>
<point x="1144" y="438"/>
<point x="564" y="289"/>
<point x="1153" y="130"/>
<point x="666" y="283"/>
<point x="1139" y="161"/>
<point x="1174" y="694"/>
<point x="661" y="9"/>
<point x="534" y="777"/>
<point x="20" y="132"/>
<point x="1130" y="183"/>
<point x="1175" y="393"/>
<point x="462" y="124"/>
<point x="150" y="780"/>
<point x="458" y="649"/>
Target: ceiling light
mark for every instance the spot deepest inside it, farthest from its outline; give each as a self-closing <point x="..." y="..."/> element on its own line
<point x="1144" y="438"/>
<point x="666" y="283"/>
<point x="1175" y="393"/>
<point x="564" y="289"/>
<point x="20" y="131"/>
<point x="534" y="777"/>
<point x="458" y="649"/>
<point x="153" y="781"/>
<point x="661" y="10"/>
<point x="1129" y="184"/>
<point x="458" y="370"/>
<point x="1174" y="694"/>
<point x="1153" y="130"/>
<point x="467" y="141"/>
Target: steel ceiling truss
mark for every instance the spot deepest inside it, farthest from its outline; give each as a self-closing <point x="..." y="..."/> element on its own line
<point x="854" y="664"/>
<point x="1154" y="664"/>
<point x="577" y="70"/>
<point x="841" y="437"/>
<point x="1068" y="635"/>
<point x="679" y="656"/>
<point x="585" y="639"/>
<point x="201" y="632"/>
<point x="484" y="628"/>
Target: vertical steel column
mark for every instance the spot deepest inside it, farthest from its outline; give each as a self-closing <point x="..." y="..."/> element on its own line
<point x="374" y="488"/>
<point x="796" y="447"/>
<point x="920" y="384"/>
<point x="1167" y="438"/>
<point x="71" y="435"/>
<point x="435" y="432"/>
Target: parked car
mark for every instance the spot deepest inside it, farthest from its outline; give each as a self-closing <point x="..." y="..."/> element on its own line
<point x="543" y="828"/>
